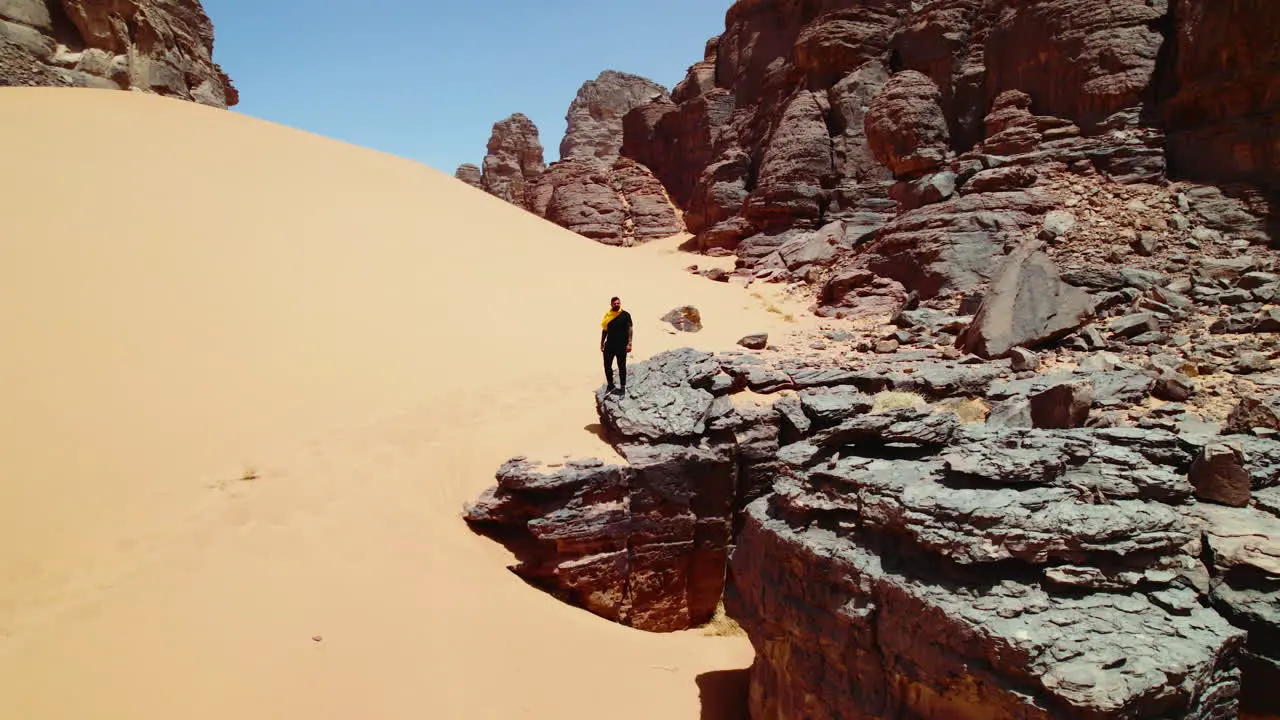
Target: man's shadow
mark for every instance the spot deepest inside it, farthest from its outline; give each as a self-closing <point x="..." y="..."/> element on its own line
<point x="599" y="431"/>
<point x="723" y="694"/>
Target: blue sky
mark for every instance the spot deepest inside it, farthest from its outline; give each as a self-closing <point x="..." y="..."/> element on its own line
<point x="427" y="80"/>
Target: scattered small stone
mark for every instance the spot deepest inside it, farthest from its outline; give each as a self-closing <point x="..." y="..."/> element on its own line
<point x="885" y="347"/>
<point x="1218" y="475"/>
<point x="685" y="319"/>
<point x="1023" y="359"/>
<point x="1065" y="405"/>
<point x="758" y="341"/>
<point x="1205" y="235"/>
<point x="1253" y="362"/>
<point x="1173" y="386"/>
<point x="1145" y="244"/>
<point x="1057" y="224"/>
<point x="1254" y="280"/>
<point x="1131" y="326"/>
<point x="1150" y="338"/>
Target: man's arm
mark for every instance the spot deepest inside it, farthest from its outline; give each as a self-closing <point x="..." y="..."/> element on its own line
<point x="631" y="333"/>
<point x="603" y="335"/>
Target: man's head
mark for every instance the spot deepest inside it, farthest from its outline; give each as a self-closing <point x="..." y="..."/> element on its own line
<point x="615" y="304"/>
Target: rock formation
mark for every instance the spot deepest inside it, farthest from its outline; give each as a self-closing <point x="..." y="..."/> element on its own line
<point x="932" y="131"/>
<point x="591" y="190"/>
<point x="470" y="174"/>
<point x="594" y="119"/>
<point x="156" y="46"/>
<point x="514" y="161"/>
<point x="634" y="544"/>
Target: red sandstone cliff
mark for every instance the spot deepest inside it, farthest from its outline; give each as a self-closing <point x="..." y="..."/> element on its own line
<point x="158" y="46"/>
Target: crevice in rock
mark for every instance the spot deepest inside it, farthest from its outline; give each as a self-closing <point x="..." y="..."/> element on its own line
<point x="1164" y="80"/>
<point x="65" y="31"/>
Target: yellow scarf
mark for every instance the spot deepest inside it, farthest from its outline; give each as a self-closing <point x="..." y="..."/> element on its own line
<point x="608" y="318"/>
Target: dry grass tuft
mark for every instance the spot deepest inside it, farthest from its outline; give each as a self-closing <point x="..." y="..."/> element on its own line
<point x="969" y="410"/>
<point x="721" y="625"/>
<point x="895" y="399"/>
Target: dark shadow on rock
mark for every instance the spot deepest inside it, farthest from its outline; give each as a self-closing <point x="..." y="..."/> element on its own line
<point x="723" y="694"/>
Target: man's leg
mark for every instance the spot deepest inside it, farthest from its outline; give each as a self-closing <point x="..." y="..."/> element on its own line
<point x="608" y="367"/>
<point x="622" y="369"/>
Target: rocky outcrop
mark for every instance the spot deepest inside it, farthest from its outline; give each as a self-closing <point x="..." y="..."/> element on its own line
<point x="905" y="126"/>
<point x="591" y="190"/>
<point x="1081" y="60"/>
<point x="514" y="161"/>
<point x="469" y="174"/>
<point x="619" y="204"/>
<point x="678" y="142"/>
<point x="1244" y="548"/>
<point x="156" y="46"/>
<point x="971" y="568"/>
<point x="813" y="110"/>
<point x="981" y="567"/>
<point x="915" y="643"/>
<point x="638" y="544"/>
<point x="595" y="116"/>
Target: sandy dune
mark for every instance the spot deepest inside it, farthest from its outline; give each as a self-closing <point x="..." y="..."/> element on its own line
<point x="250" y="377"/>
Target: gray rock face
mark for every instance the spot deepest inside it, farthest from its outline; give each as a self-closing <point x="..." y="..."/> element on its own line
<point x="666" y="398"/>
<point x="1244" y="551"/>
<point x="1028" y="304"/>
<point x="1068" y="656"/>
<point x="1000" y="539"/>
<point x="828" y="407"/>
<point x="641" y="544"/>
<point x="1111" y="389"/>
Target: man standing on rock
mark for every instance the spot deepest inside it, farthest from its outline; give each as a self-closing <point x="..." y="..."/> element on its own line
<point x="615" y="342"/>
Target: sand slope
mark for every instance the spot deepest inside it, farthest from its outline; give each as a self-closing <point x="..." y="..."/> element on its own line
<point x="191" y="296"/>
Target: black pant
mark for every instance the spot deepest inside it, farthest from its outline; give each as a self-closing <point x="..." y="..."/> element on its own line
<point x="621" y="355"/>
